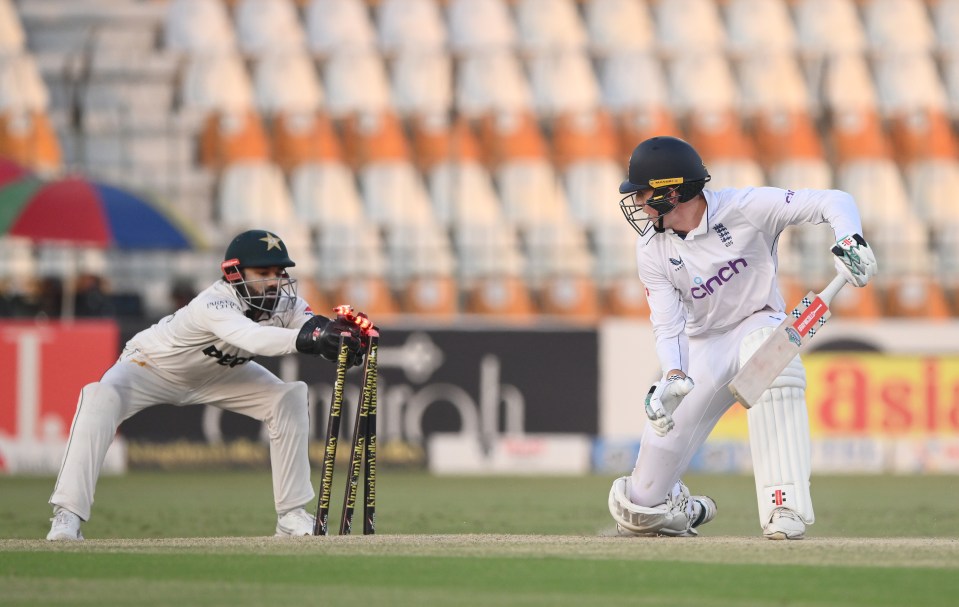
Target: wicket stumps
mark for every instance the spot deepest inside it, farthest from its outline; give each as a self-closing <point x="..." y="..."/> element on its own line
<point x="364" y="448"/>
<point x="363" y="452"/>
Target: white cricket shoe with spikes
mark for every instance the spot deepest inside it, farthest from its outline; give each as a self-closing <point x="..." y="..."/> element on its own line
<point x="784" y="525"/>
<point x="295" y="523"/>
<point x="65" y="526"/>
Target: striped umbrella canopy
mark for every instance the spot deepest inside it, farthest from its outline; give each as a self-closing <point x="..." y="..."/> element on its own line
<point x="77" y="211"/>
<point x="11" y="171"/>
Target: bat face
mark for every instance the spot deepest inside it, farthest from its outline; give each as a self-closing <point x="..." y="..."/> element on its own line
<point x="782" y="345"/>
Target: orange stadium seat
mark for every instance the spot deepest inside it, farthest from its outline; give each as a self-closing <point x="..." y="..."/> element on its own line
<point x="370" y="294"/>
<point x="421" y="267"/>
<point x="510" y="136"/>
<point x="561" y="266"/>
<point x="640" y="124"/>
<point x="311" y="292"/>
<point x="626" y="296"/>
<point x="916" y="297"/>
<point x="434" y="141"/>
<point x="719" y="135"/>
<point x="583" y="136"/>
<point x="231" y="136"/>
<point x="922" y="134"/>
<point x="29" y="138"/>
<point x="572" y="297"/>
<point x="434" y="296"/>
<point x="373" y="137"/>
<point x="500" y="296"/>
<point x="299" y="138"/>
<point x="858" y="304"/>
<point x="857" y="134"/>
<point x="725" y="148"/>
<point x="782" y="136"/>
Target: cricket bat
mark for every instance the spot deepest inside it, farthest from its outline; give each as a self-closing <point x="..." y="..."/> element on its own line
<point x="783" y="344"/>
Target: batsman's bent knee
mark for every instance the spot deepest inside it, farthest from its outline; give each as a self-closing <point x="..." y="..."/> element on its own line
<point x="670" y="518"/>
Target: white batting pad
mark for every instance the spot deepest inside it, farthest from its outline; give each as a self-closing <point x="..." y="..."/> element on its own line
<point x="779" y="440"/>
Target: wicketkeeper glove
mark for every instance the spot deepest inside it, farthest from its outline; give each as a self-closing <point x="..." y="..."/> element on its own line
<point x="320" y="336"/>
<point x="855" y="260"/>
<point x="663" y="399"/>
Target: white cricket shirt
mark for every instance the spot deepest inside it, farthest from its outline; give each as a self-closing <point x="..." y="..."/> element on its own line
<point x="725" y="270"/>
<point x="212" y="334"/>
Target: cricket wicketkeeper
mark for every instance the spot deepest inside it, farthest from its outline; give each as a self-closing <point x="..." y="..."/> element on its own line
<point x="203" y="354"/>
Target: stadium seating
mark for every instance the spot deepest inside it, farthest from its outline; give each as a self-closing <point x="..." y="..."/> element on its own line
<point x="480" y="26"/>
<point x="422" y="83"/>
<point x="702" y="27"/>
<point x="775" y="36"/>
<point x="616" y="26"/>
<point x="268" y="27"/>
<point x="199" y="27"/>
<point x="444" y="157"/>
<point x="406" y="26"/>
<point x="338" y="26"/>
<point x="286" y="82"/>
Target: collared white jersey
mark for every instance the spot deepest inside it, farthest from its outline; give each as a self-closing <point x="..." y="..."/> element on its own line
<point x="212" y="334"/>
<point x="725" y="270"/>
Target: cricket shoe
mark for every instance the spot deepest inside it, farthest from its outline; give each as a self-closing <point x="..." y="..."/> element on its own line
<point x="704" y="510"/>
<point x="295" y="523"/>
<point x="784" y="525"/>
<point x="65" y="527"/>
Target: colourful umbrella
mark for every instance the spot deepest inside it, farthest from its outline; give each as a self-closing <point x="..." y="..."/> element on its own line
<point x="81" y="212"/>
<point x="11" y="171"/>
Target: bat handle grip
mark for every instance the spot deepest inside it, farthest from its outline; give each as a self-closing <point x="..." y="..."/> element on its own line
<point x="832" y="288"/>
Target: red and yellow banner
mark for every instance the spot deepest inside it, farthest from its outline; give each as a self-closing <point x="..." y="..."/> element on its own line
<point x="865" y="394"/>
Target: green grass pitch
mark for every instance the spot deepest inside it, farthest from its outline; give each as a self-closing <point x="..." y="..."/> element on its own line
<point x="202" y="538"/>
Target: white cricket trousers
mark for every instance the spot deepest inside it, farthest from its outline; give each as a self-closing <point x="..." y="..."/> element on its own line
<point x="713" y="362"/>
<point x="128" y="387"/>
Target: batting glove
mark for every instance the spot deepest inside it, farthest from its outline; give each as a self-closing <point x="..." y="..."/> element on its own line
<point x="855" y="260"/>
<point x="663" y="399"/>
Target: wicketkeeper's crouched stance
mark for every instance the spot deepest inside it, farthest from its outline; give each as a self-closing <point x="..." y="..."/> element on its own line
<point x="203" y="354"/>
<point x="709" y="267"/>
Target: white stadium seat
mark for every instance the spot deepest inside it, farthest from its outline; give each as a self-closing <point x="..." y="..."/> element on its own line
<point x="410" y="25"/>
<point x="287" y="82"/>
<point x="618" y="26"/>
<point x="199" y="26"/>
<point x="480" y="26"/>
<point x="268" y="26"/>
<point x="548" y="26"/>
<point x="335" y="26"/>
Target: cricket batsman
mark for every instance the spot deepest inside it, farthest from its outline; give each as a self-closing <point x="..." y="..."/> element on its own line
<point x="708" y="261"/>
<point x="204" y="354"/>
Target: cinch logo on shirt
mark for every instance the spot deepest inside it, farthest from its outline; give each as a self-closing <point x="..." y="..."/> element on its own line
<point x="725" y="274"/>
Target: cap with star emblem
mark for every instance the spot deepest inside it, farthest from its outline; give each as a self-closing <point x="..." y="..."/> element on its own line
<point x="258" y="249"/>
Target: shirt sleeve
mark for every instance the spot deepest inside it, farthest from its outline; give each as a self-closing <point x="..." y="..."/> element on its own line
<point x="772" y="209"/>
<point x="229" y="324"/>
<point x="667" y="313"/>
